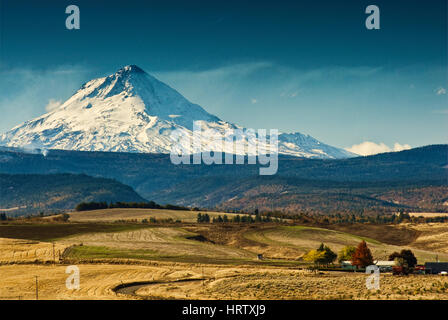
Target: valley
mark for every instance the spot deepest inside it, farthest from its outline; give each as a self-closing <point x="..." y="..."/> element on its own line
<point x="170" y="230"/>
<point x="190" y="260"/>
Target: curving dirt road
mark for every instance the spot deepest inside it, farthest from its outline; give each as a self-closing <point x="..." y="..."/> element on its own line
<point x="132" y="287"/>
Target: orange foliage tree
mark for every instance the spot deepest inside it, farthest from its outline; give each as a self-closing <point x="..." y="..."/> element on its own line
<point x="362" y="256"/>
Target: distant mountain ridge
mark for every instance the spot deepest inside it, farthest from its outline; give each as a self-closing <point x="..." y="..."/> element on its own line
<point x="132" y="111"/>
<point x="411" y="179"/>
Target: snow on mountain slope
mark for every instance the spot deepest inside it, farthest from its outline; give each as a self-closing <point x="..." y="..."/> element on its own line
<point x="131" y="111"/>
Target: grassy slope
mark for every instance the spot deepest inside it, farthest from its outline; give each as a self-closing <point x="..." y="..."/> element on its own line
<point x="139" y="214"/>
<point x="307" y="238"/>
<point x="221" y="243"/>
<point x="51" y="231"/>
<point x="279" y="244"/>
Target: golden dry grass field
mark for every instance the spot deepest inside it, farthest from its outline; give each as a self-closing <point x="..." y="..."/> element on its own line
<point x="206" y="261"/>
<point x="431" y="236"/>
<point x="110" y="215"/>
<point x="19" y="251"/>
<point x="195" y="281"/>
<point x="428" y="214"/>
<point x="291" y="242"/>
<point x="154" y="243"/>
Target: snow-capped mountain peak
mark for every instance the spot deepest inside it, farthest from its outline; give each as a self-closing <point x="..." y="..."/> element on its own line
<point x="132" y="111"/>
<point x="133" y="84"/>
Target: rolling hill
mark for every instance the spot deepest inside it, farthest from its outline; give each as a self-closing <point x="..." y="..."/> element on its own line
<point x="30" y="193"/>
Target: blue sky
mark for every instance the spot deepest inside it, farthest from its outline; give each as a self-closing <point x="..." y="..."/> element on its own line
<point x="307" y="66"/>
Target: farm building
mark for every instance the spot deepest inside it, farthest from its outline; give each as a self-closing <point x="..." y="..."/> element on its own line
<point x="436" y="267"/>
<point x="385" y="266"/>
<point x="419" y="269"/>
<point x="347" y="265"/>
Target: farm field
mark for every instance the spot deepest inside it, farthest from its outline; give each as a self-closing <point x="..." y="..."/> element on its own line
<point x="52" y="231"/>
<point x="20" y="251"/>
<point x="223" y="243"/>
<point x="303" y="239"/>
<point x="110" y="215"/>
<point x="195" y="281"/>
<point x="432" y="236"/>
<point x="188" y="260"/>
<point x="289" y="242"/>
<point x="428" y="214"/>
<point x="299" y="284"/>
<point x="155" y="243"/>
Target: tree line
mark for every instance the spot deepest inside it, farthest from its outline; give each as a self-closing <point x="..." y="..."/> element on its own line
<point x="358" y="217"/>
<point x="85" y="206"/>
<point x="205" y="218"/>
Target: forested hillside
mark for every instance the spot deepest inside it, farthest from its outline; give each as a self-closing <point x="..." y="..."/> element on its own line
<point x="414" y="179"/>
<point x="36" y="192"/>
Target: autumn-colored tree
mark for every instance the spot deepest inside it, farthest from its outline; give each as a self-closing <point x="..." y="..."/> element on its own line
<point x="323" y="255"/>
<point x="346" y="253"/>
<point x="314" y="256"/>
<point x="362" y="256"/>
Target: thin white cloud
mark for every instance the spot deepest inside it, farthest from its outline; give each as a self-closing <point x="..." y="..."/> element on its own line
<point x="287" y="77"/>
<point x="223" y="90"/>
<point x="253" y="101"/>
<point x="53" y="104"/>
<point x="368" y="148"/>
<point x="289" y="95"/>
<point x="233" y="70"/>
<point x="401" y="147"/>
<point x="294" y="94"/>
<point x="441" y="111"/>
<point x="440" y="91"/>
<point x="30" y="90"/>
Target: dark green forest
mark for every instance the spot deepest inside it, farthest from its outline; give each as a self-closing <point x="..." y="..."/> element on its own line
<point x="35" y="192"/>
